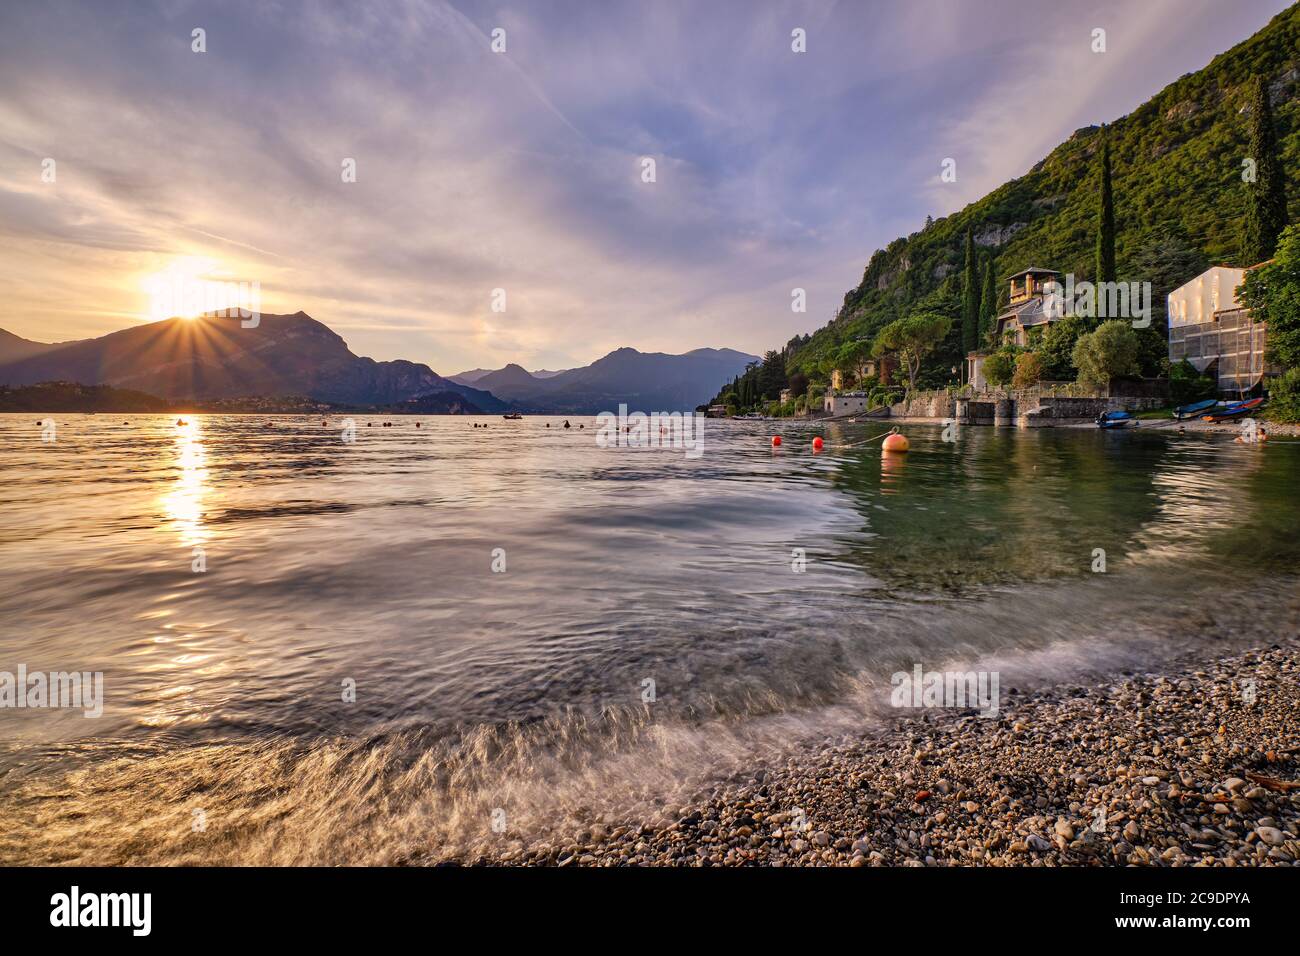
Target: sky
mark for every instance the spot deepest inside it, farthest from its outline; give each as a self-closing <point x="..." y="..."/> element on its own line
<point x="525" y="170"/>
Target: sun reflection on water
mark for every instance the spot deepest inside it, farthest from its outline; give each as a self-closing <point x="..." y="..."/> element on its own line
<point x="183" y="503"/>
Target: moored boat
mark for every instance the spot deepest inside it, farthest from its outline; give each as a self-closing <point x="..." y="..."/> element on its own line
<point x="512" y="417"/>
<point x="1184" y="412"/>
<point x="1234" y="410"/>
<point x="1115" y="419"/>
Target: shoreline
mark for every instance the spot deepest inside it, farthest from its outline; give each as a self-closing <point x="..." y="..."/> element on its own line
<point x="1185" y="766"/>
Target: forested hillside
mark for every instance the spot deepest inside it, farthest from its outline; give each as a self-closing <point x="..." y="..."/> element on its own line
<point x="1179" y="205"/>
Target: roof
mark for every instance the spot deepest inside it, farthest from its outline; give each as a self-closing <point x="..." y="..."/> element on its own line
<point x="1033" y="271"/>
<point x="1030" y="312"/>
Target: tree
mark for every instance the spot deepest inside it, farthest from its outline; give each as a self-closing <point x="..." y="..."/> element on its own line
<point x="1105" y="218"/>
<point x="1272" y="293"/>
<point x="851" y="356"/>
<point x="1029" y="370"/>
<point x="970" y="299"/>
<point x="988" y="303"/>
<point x="1167" y="258"/>
<point x="1056" y="351"/>
<point x="1000" y="366"/>
<point x="771" y="375"/>
<point x="1284" y="397"/>
<point x="1266" y="196"/>
<point x="912" y="339"/>
<point x="1109" y="351"/>
<point x="1186" y="385"/>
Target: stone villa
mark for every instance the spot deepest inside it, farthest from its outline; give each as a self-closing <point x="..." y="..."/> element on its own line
<point x="1023" y="322"/>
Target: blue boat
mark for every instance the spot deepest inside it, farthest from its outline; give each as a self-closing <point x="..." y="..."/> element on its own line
<point x="1196" y="408"/>
<point x="1115" y="419"/>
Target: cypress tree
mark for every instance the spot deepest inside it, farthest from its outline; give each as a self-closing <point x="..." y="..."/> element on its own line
<point x="1105" y="219"/>
<point x="1266" y="196"/>
<point x="988" y="303"/>
<point x="971" y="300"/>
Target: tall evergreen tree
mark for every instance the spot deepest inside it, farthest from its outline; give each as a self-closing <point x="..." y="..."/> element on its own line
<point x="988" y="303"/>
<point x="970" y="312"/>
<point x="1266" y="202"/>
<point x="1105" y="219"/>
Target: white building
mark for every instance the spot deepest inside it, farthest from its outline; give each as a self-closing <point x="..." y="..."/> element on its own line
<point x="844" y="403"/>
<point x="1214" y="290"/>
<point x="1211" y="328"/>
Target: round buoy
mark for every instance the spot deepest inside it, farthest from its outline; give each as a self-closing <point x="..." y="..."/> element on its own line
<point x="896" y="442"/>
<point x="776" y="441"/>
<point x="817" y="443"/>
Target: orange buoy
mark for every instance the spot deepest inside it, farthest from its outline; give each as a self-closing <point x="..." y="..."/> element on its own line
<point x="776" y="441"/>
<point x="817" y="443"/>
<point x="896" y="442"/>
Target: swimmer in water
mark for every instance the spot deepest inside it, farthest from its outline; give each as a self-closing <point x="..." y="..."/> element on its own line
<point x="566" y="423"/>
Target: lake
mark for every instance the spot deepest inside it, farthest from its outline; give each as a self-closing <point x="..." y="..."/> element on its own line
<point x="322" y="651"/>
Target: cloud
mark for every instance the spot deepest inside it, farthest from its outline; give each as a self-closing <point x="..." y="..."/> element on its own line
<point x="521" y="170"/>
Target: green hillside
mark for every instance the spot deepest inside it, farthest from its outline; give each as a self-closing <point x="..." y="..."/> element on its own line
<point x="1179" y="202"/>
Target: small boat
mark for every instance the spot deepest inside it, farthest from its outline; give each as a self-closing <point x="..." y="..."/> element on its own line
<point x="1233" y="410"/>
<point x="1184" y="412"/>
<point x="1115" y="420"/>
<point x="512" y="417"/>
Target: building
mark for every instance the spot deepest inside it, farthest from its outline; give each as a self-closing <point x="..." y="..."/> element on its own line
<point x="1211" y="328"/>
<point x="846" y="403"/>
<point x="1027" y="315"/>
<point x="785" y="396"/>
<point x="1024" y="321"/>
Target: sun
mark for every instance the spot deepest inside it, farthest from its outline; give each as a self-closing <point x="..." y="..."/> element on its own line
<point x="186" y="288"/>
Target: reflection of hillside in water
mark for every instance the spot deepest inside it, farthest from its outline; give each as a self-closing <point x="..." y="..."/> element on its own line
<point x="998" y="506"/>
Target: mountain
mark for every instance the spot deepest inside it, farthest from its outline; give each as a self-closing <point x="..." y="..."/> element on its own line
<point x="1179" y="202"/>
<point x="511" y="379"/>
<point x="440" y="403"/>
<point x="470" y="377"/>
<point x="645" y="381"/>
<point x="15" y="349"/>
<point x="216" y="358"/>
<point x="475" y="375"/>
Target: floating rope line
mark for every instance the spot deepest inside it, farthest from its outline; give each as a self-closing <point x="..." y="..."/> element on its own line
<point x="868" y="441"/>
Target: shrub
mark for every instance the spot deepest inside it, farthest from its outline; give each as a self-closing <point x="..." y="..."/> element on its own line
<point x="1284" y="397"/>
<point x="1186" y="385"/>
<point x="1000" y="367"/>
<point x="1109" y="351"/>
<point x="1029" y="370"/>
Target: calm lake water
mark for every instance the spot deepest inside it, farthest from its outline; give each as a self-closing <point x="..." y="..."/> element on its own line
<point x="628" y="574"/>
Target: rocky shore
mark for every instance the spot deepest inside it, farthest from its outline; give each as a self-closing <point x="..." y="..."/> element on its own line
<point x="1193" y="767"/>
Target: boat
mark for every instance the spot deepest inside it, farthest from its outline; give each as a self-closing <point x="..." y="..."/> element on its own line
<point x="512" y="417"/>
<point x="1234" y="410"/>
<point x="1115" y="419"/>
<point x="1184" y="412"/>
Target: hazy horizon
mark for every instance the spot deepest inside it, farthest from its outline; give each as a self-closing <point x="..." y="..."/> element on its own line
<point x="521" y="170"/>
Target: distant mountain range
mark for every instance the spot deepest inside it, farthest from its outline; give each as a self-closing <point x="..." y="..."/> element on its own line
<point x="212" y="359"/>
<point x="473" y="375"/>
<point x="646" y="381"/>
<point x="216" y="358"/>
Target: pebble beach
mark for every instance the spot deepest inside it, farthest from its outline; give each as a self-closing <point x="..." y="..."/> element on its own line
<point x="1196" y="766"/>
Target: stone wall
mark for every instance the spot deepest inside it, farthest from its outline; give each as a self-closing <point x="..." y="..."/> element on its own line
<point x="1026" y="409"/>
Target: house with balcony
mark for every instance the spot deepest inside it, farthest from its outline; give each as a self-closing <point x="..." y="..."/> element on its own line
<point x="1023" y="322"/>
